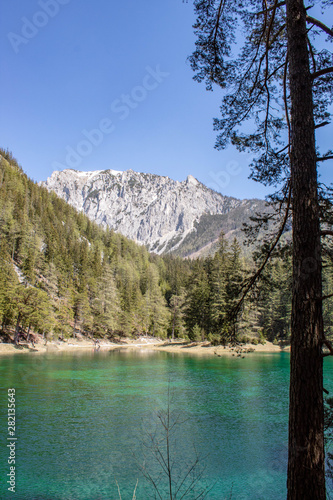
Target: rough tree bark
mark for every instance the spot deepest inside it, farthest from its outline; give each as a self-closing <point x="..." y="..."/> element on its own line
<point x="306" y="472"/>
<point x="271" y="72"/>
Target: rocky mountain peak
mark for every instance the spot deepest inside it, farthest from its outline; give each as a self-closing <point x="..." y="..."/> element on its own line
<point x="151" y="209"/>
<point x="192" y="180"/>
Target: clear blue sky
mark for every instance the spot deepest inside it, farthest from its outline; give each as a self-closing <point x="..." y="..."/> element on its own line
<point x="71" y="67"/>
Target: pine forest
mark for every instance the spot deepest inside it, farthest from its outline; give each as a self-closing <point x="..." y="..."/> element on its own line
<point x="62" y="275"/>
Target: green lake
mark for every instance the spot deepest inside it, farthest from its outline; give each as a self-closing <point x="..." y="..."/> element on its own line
<point x="82" y="421"/>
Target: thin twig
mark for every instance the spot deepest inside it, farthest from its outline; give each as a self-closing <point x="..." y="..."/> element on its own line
<point x="118" y="490"/>
<point x="324" y="297"/>
<point x="134" y="492"/>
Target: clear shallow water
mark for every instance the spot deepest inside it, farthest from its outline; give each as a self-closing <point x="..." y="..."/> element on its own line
<point x="81" y="418"/>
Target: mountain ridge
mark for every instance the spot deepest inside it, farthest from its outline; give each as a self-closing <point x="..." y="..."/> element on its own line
<point x="152" y="210"/>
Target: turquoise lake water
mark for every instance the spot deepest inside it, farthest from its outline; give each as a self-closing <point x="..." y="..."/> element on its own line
<point x="83" y="421"/>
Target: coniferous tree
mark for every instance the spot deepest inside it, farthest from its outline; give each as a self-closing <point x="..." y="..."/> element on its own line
<point x="275" y="300"/>
<point x="197" y="302"/>
<point x="219" y="283"/>
<point x="106" y="305"/>
<point x="64" y="314"/>
<point x="278" y="71"/>
<point x="156" y="314"/>
<point x="8" y="284"/>
<point x="177" y="302"/>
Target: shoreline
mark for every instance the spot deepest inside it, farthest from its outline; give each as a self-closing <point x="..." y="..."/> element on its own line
<point x="196" y="348"/>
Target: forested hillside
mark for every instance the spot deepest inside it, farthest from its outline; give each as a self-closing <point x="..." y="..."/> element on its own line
<point x="61" y="274"/>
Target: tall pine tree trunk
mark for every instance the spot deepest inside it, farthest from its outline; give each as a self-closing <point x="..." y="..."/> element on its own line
<point x="17" y="329"/>
<point x="306" y="474"/>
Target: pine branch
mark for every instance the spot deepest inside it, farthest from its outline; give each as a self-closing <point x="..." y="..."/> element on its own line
<point x="283" y="149"/>
<point x="215" y="31"/>
<point x="320" y="25"/>
<point x="267" y="69"/>
<point x="280" y="4"/>
<point x="322" y="72"/>
<point x="258" y="47"/>
<point x="219" y="13"/>
<point x="285" y="101"/>
<point x="265" y="55"/>
<point x="323" y="124"/>
<point x="324" y="158"/>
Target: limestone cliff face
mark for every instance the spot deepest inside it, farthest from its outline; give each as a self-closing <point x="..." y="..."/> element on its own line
<point x="150" y="209"/>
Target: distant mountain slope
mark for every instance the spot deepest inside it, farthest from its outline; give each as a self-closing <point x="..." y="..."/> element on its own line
<point x="203" y="239"/>
<point x="163" y="214"/>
